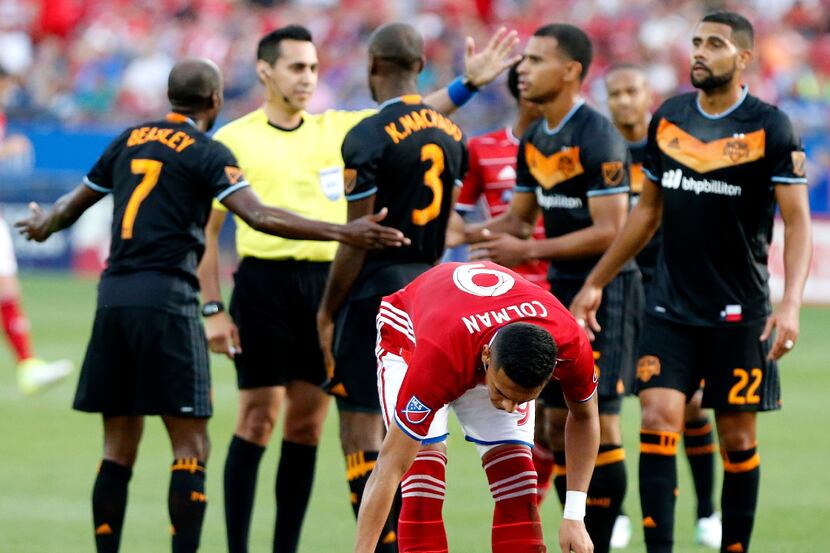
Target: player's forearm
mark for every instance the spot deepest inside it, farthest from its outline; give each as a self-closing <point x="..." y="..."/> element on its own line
<point x="208" y="272"/>
<point x="344" y="272"/>
<point x="581" y="444"/>
<point x="69" y="207"/>
<point x="798" y="251"/>
<point x="374" y="509"/>
<point x="509" y="223"/>
<point x="641" y="225"/>
<point x="279" y="222"/>
<point x="588" y="242"/>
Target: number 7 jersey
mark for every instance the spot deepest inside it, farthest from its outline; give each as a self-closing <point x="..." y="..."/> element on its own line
<point x="163" y="176"/>
<point x="410" y="157"/>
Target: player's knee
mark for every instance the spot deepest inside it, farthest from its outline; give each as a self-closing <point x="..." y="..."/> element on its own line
<point x="124" y="454"/>
<point x="659" y="416"/>
<point x="192" y="444"/>
<point x="257" y="424"/>
<point x="736" y="439"/>
<point x="360" y="432"/>
<point x="305" y="431"/>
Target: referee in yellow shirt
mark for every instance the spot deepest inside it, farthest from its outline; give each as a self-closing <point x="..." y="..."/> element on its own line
<point x="292" y="160"/>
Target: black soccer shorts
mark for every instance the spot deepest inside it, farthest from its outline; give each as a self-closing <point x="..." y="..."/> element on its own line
<point x="615" y="345"/>
<point x="274" y="305"/>
<point x="731" y="360"/>
<point x="145" y="361"/>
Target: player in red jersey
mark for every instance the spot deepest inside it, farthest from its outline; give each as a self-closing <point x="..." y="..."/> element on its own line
<point x="486" y="353"/>
<point x="491" y="177"/>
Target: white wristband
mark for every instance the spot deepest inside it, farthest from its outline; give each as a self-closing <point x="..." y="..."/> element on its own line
<point x="574" y="505"/>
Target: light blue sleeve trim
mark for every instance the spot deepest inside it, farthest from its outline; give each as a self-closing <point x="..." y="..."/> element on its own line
<point x="790" y="180"/>
<point x="435" y="440"/>
<point x="228" y="191"/>
<point x="466" y="208"/>
<point x="408" y="431"/>
<point x="459" y="183"/>
<point x="498" y="442"/>
<point x="520" y="188"/>
<point x="650" y="175"/>
<point x="96" y="187"/>
<point x="361" y="195"/>
<point x="608" y="191"/>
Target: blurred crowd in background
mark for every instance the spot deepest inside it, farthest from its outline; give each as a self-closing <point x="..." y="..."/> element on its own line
<point x="93" y="63"/>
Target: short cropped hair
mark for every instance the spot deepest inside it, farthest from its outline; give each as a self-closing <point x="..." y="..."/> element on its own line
<point x="268" y="49"/>
<point x="572" y="41"/>
<point x="513" y="81"/>
<point x="526" y="353"/>
<point x="742" y="32"/>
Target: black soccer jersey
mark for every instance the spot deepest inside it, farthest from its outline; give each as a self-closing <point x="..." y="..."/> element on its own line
<point x="582" y="158"/>
<point x="718" y="175"/>
<point x="411" y="157"/>
<point x="163" y="176"/>
<point x="647" y="258"/>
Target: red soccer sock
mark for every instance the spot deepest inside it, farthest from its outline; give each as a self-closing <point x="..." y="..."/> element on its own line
<point x="16" y="326"/>
<point x="516" y="524"/>
<point x="421" y="524"/>
<point x="543" y="463"/>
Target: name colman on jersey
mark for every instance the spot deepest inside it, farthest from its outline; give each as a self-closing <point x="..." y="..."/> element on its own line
<point x="675" y="180"/>
<point x="479" y="322"/>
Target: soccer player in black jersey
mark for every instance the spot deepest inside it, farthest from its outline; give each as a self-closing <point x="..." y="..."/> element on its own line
<point x="718" y="161"/>
<point x="629" y="100"/>
<point x="148" y="353"/>
<point x="572" y="164"/>
<point x="410" y="159"/>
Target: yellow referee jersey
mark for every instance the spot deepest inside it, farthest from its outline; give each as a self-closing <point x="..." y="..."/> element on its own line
<point x="299" y="170"/>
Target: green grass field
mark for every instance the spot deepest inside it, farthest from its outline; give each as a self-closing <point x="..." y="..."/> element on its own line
<point x="48" y="456"/>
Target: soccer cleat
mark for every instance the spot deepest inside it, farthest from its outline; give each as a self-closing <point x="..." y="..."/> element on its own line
<point x="621" y="534"/>
<point x="33" y="374"/>
<point x="708" y="531"/>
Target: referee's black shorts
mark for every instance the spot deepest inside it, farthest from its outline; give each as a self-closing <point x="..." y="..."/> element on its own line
<point x="615" y="346"/>
<point x="274" y="305"/>
<point x="145" y="361"/>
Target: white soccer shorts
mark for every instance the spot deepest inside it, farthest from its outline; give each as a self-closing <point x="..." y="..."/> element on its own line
<point x="8" y="261"/>
<point x="482" y="423"/>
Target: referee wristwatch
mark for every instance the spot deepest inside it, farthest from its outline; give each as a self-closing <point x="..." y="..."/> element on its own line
<point x="212" y="308"/>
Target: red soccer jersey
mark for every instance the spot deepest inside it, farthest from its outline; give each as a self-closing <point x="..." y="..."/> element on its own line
<point x="489" y="184"/>
<point x="441" y="321"/>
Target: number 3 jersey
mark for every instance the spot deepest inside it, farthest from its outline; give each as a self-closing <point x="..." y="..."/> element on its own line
<point x="441" y="322"/>
<point x="718" y="175"/>
<point x="163" y="176"/>
<point x="410" y="157"/>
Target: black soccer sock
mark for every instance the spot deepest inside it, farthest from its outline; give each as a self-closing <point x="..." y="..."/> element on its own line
<point x="658" y="488"/>
<point x="741" y="477"/>
<point x="700" y="450"/>
<point x="359" y="468"/>
<point x="186" y="503"/>
<point x="560" y="480"/>
<point x="295" y="476"/>
<point x="605" y="495"/>
<point x="109" y="501"/>
<point x="240" y="476"/>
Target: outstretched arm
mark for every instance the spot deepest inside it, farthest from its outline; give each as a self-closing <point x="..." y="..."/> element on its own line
<point x="363" y="233"/>
<point x="40" y="225"/>
<point x="480" y="68"/>
<point x="396" y="456"/>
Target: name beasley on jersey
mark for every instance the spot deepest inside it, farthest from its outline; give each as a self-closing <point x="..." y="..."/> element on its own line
<point x="418" y="120"/>
<point x="504" y="315"/>
<point x="178" y="141"/>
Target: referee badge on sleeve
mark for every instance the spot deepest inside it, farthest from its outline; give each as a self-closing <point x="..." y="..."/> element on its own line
<point x="331" y="182"/>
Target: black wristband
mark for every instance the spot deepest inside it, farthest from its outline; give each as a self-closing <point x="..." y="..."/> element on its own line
<point x="212" y="308"/>
<point x="468" y="84"/>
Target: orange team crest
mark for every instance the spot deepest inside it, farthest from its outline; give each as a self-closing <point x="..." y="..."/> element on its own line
<point x="555" y="168"/>
<point x="703" y="157"/>
<point x="234" y="174"/>
<point x="647" y="366"/>
<point x="613" y="173"/>
<point x="799" y="163"/>
<point x="636" y="177"/>
<point x="349" y="180"/>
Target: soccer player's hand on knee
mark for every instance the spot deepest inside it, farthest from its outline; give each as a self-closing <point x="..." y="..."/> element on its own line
<point x="35" y="226"/>
<point x="480" y="68"/>
<point x="784" y="321"/>
<point x="584" y="308"/>
<point x="222" y="335"/>
<point x="573" y="537"/>
<point x="367" y="234"/>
